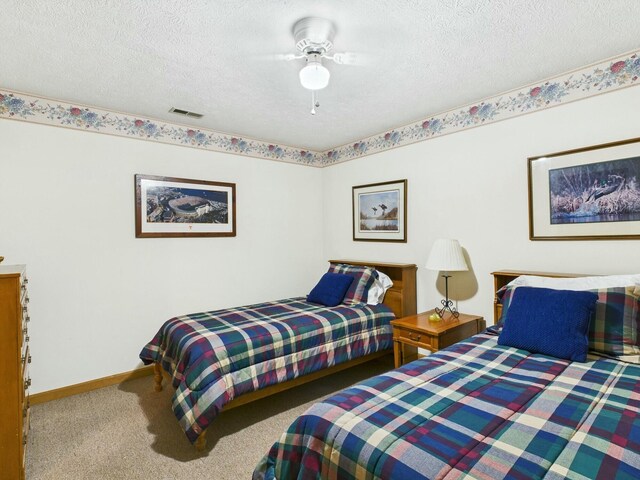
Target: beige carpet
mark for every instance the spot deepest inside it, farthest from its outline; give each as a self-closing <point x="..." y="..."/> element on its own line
<point x="129" y="432"/>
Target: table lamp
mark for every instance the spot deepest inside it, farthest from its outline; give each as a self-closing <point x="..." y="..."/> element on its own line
<point x="446" y="256"/>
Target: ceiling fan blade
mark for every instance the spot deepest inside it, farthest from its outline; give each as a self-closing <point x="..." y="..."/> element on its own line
<point x="278" y="57"/>
<point x="287" y="57"/>
<point x="350" y="58"/>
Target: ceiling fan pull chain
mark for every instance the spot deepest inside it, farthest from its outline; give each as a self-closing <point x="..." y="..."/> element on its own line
<point x="314" y="102"/>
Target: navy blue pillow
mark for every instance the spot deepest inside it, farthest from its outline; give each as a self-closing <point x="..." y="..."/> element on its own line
<point x="551" y="322"/>
<point x="331" y="289"/>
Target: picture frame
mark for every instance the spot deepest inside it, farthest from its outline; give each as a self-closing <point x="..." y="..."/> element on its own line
<point x="379" y="212"/>
<point x="182" y="207"/>
<point x="590" y="193"/>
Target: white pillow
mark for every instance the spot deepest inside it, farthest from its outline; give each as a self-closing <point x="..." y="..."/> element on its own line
<point x="576" y="283"/>
<point x="379" y="288"/>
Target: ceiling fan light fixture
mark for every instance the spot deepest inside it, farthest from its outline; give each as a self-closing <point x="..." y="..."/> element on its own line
<point x="314" y="75"/>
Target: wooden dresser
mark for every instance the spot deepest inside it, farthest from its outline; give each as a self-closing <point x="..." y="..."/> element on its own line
<point x="14" y="370"/>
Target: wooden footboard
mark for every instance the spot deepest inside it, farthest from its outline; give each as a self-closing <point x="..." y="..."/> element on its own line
<point x="201" y="442"/>
<point x="157" y="377"/>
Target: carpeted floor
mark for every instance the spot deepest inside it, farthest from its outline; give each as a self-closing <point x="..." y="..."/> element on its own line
<point x="129" y="432"/>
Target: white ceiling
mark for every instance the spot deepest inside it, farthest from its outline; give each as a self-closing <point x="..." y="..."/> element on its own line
<point x="217" y="57"/>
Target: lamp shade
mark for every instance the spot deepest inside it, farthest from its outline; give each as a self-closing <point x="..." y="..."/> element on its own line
<point x="314" y="76"/>
<point x="446" y="255"/>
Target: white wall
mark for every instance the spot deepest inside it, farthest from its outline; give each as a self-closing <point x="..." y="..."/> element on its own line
<point x="98" y="294"/>
<point x="472" y="186"/>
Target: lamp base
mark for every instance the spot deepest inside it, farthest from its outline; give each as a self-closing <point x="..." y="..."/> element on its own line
<point x="447" y="305"/>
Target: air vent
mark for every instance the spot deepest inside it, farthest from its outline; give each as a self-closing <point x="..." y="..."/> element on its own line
<point x="185" y="113"/>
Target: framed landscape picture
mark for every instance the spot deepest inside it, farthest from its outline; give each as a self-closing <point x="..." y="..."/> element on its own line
<point x="180" y="207"/>
<point x="590" y="193"/>
<point x="380" y="212"/>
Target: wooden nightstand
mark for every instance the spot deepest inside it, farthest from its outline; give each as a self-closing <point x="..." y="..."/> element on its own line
<point x="417" y="331"/>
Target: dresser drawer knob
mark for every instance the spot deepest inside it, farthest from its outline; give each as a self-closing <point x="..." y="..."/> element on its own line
<point x="415" y="338"/>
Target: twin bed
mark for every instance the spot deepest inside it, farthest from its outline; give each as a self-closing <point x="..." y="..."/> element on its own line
<point x="474" y="410"/>
<point x="222" y="359"/>
<point x="485" y="408"/>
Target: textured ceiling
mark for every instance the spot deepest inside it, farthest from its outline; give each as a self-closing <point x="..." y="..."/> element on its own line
<point x="218" y="58"/>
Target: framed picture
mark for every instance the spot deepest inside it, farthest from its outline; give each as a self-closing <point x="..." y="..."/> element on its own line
<point x="380" y="212"/>
<point x="590" y="193"/>
<point x="180" y="207"/>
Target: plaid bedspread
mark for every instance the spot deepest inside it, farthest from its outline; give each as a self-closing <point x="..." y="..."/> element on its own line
<point x="215" y="356"/>
<point x="476" y="410"/>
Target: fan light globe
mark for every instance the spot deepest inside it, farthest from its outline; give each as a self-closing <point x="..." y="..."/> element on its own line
<point x="314" y="76"/>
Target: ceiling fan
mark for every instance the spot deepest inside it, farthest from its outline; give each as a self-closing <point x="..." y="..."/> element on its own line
<point x="314" y="42"/>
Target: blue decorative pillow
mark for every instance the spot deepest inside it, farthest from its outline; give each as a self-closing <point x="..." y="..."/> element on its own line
<point x="331" y="289"/>
<point x="551" y="322"/>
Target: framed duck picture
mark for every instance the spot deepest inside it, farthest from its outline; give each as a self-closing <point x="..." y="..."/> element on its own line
<point x="380" y="212"/>
<point x="590" y="193"/>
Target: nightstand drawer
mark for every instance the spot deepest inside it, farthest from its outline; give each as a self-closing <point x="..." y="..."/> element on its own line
<point x="411" y="337"/>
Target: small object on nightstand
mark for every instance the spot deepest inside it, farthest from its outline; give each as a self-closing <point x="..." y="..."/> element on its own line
<point x="434" y="317"/>
<point x="420" y="331"/>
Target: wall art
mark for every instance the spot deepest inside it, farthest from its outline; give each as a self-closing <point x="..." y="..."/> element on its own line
<point x="590" y="193"/>
<point x="180" y="207"/>
<point x="380" y="212"/>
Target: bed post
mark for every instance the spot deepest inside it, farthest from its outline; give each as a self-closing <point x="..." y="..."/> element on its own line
<point x="201" y="442"/>
<point x="157" y="377"/>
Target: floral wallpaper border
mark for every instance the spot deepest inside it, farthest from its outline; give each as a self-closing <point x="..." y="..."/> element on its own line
<point x="614" y="74"/>
<point x="19" y="106"/>
<point x="607" y="76"/>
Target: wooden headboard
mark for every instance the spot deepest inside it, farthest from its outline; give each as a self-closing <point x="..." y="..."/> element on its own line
<point x="401" y="298"/>
<point x="502" y="277"/>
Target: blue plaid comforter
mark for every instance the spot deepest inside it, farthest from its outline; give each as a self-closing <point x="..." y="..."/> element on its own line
<point x="215" y="356"/>
<point x="475" y="410"/>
